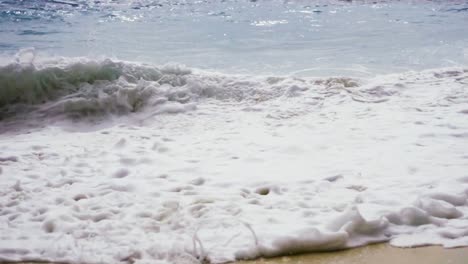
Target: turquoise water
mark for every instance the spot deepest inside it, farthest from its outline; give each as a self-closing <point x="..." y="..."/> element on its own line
<point x="238" y="36"/>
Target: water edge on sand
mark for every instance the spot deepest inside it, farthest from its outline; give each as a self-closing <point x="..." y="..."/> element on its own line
<point x="381" y="253"/>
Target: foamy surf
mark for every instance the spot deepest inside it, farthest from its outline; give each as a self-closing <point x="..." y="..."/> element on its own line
<point x="193" y="166"/>
<point x="80" y="87"/>
<point x="83" y="88"/>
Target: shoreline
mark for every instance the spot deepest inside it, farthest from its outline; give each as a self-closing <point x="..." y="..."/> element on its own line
<point x="382" y="253"/>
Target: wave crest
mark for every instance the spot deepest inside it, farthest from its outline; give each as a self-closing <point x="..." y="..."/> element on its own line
<point x="83" y="87"/>
<point x="92" y="87"/>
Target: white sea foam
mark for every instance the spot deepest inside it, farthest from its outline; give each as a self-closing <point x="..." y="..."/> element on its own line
<point x="81" y="87"/>
<point x="250" y="166"/>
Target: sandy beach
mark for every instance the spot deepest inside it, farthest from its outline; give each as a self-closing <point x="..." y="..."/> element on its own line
<point x="378" y="253"/>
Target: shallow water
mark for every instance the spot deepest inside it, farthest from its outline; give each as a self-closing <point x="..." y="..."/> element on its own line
<point x="292" y="127"/>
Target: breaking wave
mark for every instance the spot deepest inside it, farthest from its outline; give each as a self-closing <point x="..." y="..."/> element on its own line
<point x="83" y="87"/>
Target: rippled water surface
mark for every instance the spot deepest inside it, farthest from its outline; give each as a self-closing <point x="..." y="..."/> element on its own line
<point x="280" y="37"/>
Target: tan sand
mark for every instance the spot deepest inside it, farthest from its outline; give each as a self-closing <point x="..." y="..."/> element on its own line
<point x="376" y="254"/>
<point x="373" y="254"/>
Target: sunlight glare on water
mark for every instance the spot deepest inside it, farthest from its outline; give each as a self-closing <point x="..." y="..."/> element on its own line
<point x="239" y="36"/>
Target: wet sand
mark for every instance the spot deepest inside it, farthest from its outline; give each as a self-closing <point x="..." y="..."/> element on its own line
<point x="373" y="254"/>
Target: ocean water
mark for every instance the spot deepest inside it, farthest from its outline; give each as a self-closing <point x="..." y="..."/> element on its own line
<point x="241" y="36"/>
<point x="212" y="131"/>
